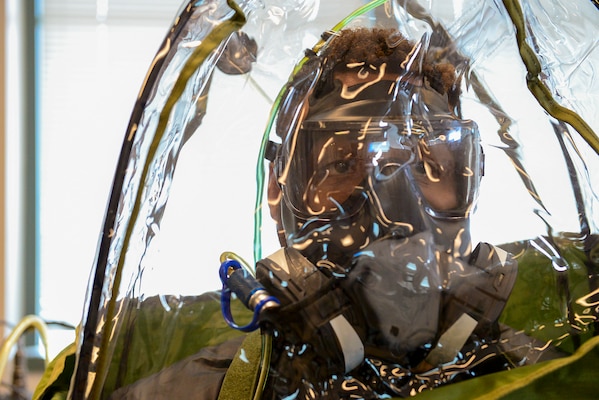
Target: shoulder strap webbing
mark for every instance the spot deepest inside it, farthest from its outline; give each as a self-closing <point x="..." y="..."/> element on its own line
<point x="242" y="376"/>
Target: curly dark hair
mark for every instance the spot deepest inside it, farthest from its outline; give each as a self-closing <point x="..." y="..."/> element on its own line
<point x="373" y="46"/>
<point x="377" y="46"/>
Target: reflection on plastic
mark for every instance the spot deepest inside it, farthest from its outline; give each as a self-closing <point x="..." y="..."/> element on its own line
<point x="378" y="242"/>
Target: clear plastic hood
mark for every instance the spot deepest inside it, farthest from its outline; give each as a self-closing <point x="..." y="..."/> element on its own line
<point x="452" y="152"/>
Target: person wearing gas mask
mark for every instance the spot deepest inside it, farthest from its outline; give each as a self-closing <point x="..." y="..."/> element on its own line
<point x="376" y="291"/>
<point x="373" y="180"/>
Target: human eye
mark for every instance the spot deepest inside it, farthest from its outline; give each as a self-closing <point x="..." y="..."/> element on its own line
<point x="343" y="166"/>
<point x="430" y="165"/>
<point x="429" y="169"/>
<point x="338" y="160"/>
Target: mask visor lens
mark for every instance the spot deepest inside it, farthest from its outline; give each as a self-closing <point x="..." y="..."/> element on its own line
<point x="328" y="163"/>
<point x="448" y="168"/>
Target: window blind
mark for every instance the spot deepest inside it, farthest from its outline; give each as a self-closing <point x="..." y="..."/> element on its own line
<point x="111" y="9"/>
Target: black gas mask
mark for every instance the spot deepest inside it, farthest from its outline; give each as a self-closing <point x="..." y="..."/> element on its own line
<point x="377" y="178"/>
<point x="364" y="273"/>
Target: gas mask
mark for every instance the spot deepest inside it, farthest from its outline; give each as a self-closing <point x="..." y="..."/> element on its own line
<point x="364" y="273"/>
<point x="376" y="178"/>
<point x="364" y="203"/>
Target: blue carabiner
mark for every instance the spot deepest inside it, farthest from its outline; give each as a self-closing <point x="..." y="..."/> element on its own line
<point x="251" y="293"/>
